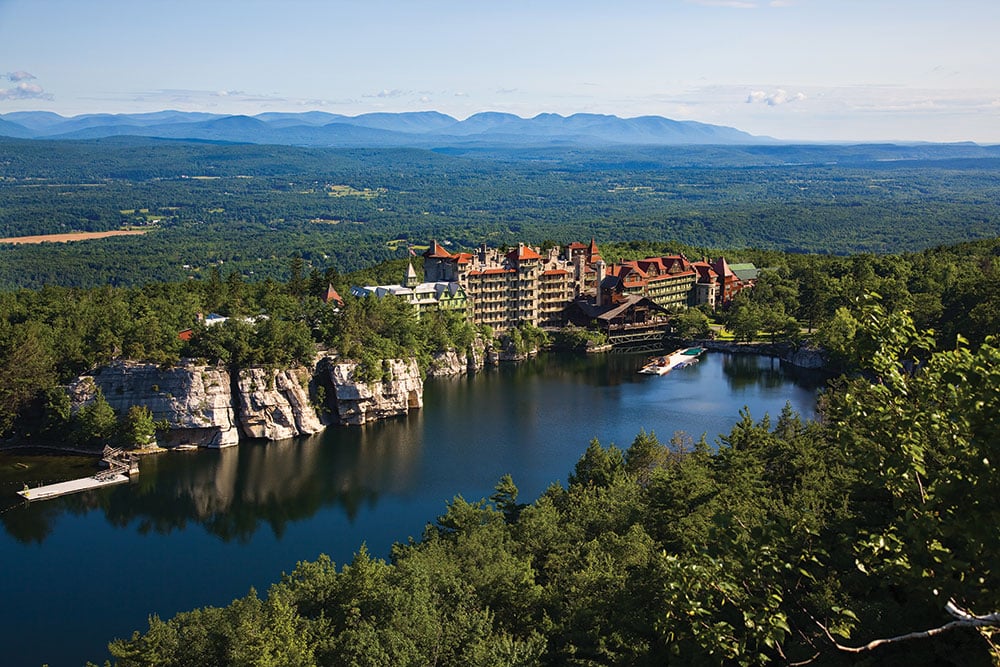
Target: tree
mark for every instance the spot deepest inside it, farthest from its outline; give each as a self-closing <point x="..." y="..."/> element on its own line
<point x="692" y="323"/>
<point x="96" y="422"/>
<point x="139" y="427"/>
<point x="926" y="428"/>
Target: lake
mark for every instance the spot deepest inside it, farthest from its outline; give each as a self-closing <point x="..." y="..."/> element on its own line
<point x="200" y="528"/>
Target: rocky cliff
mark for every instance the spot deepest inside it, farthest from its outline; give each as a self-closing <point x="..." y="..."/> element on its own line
<point x="351" y="401"/>
<point x="195" y="400"/>
<point x="206" y="406"/>
<point x="201" y="404"/>
<point x="452" y="362"/>
<point x="274" y="404"/>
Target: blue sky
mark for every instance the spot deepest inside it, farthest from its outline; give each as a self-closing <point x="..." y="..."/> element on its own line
<point x="793" y="69"/>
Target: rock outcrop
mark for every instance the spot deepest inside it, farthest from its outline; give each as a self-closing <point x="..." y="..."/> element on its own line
<point x="357" y="402"/>
<point x="274" y="404"/>
<point x="195" y="400"/>
<point x="448" y="363"/>
<point x="806" y="357"/>
<point x="802" y="356"/>
<point x="206" y="406"/>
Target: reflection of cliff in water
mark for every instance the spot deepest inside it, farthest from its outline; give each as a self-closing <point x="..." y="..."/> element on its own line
<point x="745" y="370"/>
<point x="232" y="491"/>
<point x="599" y="370"/>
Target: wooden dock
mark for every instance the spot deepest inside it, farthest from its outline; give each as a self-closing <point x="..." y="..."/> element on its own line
<point x="121" y="464"/>
<point x="72" y="486"/>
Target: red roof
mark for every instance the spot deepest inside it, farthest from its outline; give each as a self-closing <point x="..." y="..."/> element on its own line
<point x="437" y="252"/>
<point x="331" y="295"/>
<point x="555" y="272"/>
<point x="463" y="257"/>
<point x="522" y="253"/>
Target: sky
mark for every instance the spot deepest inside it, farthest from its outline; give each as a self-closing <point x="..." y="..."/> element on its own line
<point x="800" y="70"/>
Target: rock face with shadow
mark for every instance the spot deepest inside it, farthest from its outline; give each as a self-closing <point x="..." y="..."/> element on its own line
<point x="205" y="405"/>
<point x="274" y="404"/>
<point x="353" y="401"/>
<point x="195" y="400"/>
<point x="211" y="406"/>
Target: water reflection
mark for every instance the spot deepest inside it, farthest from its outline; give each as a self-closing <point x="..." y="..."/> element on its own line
<point x="532" y="420"/>
<point x="746" y="370"/>
<point x="232" y="492"/>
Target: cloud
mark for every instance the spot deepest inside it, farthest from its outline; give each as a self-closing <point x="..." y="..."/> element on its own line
<point x="20" y="76"/>
<point x="506" y="91"/>
<point x="777" y="98"/>
<point x="24" y="91"/>
<point x="387" y="94"/>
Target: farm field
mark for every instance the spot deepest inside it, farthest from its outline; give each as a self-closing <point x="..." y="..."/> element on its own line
<point x="73" y="236"/>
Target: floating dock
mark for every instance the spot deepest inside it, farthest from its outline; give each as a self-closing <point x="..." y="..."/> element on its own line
<point x="676" y="359"/>
<point x="121" y="464"/>
<point x="72" y="486"/>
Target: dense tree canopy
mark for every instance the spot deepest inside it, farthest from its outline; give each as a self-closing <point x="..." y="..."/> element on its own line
<point x="791" y="542"/>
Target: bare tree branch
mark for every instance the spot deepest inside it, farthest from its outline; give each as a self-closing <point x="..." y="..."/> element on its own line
<point x="964" y="619"/>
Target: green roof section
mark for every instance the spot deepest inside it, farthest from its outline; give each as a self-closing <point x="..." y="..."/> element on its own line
<point x="745" y="272"/>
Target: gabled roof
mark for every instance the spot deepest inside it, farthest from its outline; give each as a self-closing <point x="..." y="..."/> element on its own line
<point x="332" y="295"/>
<point x="722" y="267"/>
<point x="705" y="270"/>
<point x="435" y="251"/>
<point x="522" y="253"/>
<point x="613" y="310"/>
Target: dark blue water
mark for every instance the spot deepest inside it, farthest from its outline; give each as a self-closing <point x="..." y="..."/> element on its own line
<point x="201" y="528"/>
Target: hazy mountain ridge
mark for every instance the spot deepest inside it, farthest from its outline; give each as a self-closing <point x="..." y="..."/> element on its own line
<point x="418" y="129"/>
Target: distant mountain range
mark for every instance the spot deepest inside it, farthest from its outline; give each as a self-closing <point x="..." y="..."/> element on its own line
<point x="418" y="129"/>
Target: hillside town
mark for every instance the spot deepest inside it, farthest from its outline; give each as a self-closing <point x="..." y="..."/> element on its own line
<point x="556" y="286"/>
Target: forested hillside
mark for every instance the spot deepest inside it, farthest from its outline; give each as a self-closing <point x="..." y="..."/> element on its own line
<point x="49" y="335"/>
<point x="253" y="206"/>
<point x="794" y="543"/>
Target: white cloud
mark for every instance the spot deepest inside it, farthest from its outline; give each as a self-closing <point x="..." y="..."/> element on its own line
<point x="777" y="98"/>
<point x="20" y="76"/>
<point x="24" y="91"/>
<point x="388" y="94"/>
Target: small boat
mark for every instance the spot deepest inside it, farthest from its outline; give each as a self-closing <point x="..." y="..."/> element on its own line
<point x="676" y="359"/>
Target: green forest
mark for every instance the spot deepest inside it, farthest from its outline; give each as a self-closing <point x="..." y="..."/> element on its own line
<point x="251" y="207"/>
<point x="794" y="542"/>
<point x="868" y="536"/>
